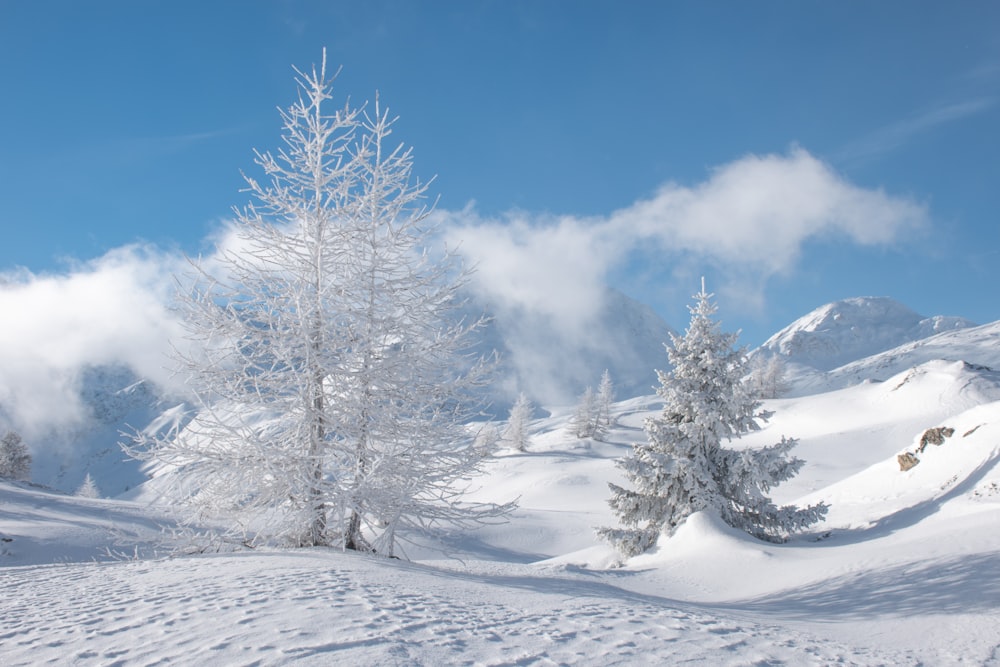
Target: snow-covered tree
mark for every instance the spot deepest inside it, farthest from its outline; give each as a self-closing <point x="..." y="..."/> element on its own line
<point x="333" y="381"/>
<point x="767" y="373"/>
<point x="516" y="433"/>
<point x="487" y="439"/>
<point x="605" y="397"/>
<point x="88" y="488"/>
<point x="586" y="420"/>
<point x="683" y="466"/>
<point x="15" y="459"/>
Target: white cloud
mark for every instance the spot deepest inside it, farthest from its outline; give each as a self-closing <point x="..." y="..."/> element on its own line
<point x="110" y="310"/>
<point x="757" y="212"/>
<point x="555" y="268"/>
<point x="749" y="220"/>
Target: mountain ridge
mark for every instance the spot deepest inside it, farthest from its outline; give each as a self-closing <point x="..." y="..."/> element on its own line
<point x="851" y="329"/>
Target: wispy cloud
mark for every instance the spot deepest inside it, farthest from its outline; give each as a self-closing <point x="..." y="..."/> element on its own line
<point x="891" y="137"/>
<point x="129" y="151"/>
<point x="985" y="71"/>
<point x="143" y="148"/>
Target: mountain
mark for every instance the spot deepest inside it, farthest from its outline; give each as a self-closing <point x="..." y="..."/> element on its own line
<point x="845" y="331"/>
<point x="116" y="400"/>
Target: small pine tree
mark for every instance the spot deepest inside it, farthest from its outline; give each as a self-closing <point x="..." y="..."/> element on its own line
<point x="683" y="467"/>
<point x="516" y="433"/>
<point x="486" y="440"/>
<point x="605" y="397"/>
<point x="88" y="489"/>
<point x="15" y="459"/>
<point x="586" y="422"/>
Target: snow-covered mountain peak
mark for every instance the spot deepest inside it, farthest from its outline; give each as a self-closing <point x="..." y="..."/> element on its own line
<point x="844" y="331"/>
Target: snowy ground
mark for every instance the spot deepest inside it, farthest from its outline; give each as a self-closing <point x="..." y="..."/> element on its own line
<point x="905" y="570"/>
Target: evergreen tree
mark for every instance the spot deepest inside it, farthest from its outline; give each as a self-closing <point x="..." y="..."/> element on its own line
<point x="88" y="489"/>
<point x="333" y="381"/>
<point x="605" y="397"/>
<point x="683" y="466"/>
<point x="15" y="459"/>
<point x="586" y="420"/>
<point x="516" y="433"/>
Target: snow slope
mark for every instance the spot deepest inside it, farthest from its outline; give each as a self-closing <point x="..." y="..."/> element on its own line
<point x="905" y="569"/>
<point x="321" y="608"/>
<point x="975" y="345"/>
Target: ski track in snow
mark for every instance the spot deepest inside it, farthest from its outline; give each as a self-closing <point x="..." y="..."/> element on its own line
<point x="326" y="608"/>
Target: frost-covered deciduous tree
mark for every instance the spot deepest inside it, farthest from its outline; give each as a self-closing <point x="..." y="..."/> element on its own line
<point x="516" y="433"/>
<point x="605" y="397"/>
<point x="334" y="383"/>
<point x="88" y="488"/>
<point x="768" y="375"/>
<point x="586" y="420"/>
<point x="683" y="466"/>
<point x="15" y="459"/>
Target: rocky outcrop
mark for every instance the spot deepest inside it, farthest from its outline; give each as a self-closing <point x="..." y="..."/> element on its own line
<point x="907" y="460"/>
<point x="934" y="436"/>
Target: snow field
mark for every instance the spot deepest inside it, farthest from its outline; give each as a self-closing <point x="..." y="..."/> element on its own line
<point x="319" y="607"/>
<point x="905" y="570"/>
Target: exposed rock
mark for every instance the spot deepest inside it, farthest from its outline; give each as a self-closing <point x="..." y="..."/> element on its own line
<point x="972" y="430"/>
<point x="907" y="461"/>
<point x="935" y="436"/>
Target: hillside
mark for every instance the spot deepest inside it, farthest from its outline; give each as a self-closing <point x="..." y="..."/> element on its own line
<point x="553" y="362"/>
<point x="979" y="346"/>
<point x="903" y="571"/>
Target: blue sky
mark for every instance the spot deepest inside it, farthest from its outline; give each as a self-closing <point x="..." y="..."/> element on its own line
<point x="620" y="142"/>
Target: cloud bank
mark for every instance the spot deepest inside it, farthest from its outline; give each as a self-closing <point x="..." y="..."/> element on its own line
<point x="112" y="310"/>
